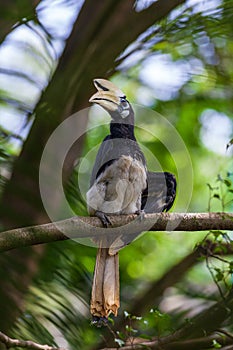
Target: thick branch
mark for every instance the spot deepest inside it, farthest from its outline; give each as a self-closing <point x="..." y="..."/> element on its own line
<point x="130" y="225"/>
<point x="14" y="343"/>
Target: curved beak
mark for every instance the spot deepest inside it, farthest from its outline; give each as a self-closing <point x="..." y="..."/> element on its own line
<point x="108" y="95"/>
<point x="107" y="100"/>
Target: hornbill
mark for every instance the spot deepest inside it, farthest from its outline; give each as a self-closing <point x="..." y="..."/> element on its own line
<point x="120" y="184"/>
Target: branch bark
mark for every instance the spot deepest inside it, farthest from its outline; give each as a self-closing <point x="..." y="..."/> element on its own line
<point x="199" y="326"/>
<point x="91" y="227"/>
<point x="191" y="344"/>
<point x="27" y="344"/>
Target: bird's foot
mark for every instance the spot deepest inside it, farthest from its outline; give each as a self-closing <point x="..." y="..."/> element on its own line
<point x="104" y="218"/>
<point x="141" y="214"/>
<point x="99" y="321"/>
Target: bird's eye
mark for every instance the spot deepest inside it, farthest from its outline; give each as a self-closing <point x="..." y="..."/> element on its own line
<point x="124" y="102"/>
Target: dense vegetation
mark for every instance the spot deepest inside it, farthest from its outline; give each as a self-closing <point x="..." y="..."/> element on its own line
<point x="179" y="67"/>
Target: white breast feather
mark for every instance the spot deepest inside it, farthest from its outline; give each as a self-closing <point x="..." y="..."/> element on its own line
<point x="118" y="189"/>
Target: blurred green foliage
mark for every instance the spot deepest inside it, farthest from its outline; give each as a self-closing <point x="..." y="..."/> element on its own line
<point x="199" y="43"/>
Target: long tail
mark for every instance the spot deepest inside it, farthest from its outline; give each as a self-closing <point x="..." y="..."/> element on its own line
<point x="105" y="289"/>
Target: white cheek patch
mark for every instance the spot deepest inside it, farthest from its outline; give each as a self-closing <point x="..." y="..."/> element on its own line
<point x="124" y="113"/>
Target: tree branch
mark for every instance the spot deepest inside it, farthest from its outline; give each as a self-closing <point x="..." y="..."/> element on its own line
<point x="130" y="225"/>
<point x="155" y="290"/>
<point x="199" y="326"/>
<point x="170" y="343"/>
<point x="13" y="343"/>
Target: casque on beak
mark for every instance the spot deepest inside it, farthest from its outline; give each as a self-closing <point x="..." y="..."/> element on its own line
<point x="108" y="95"/>
<point x="106" y="85"/>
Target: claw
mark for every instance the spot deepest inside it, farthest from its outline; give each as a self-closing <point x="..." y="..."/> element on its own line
<point x="104" y="218"/>
<point x="141" y="214"/>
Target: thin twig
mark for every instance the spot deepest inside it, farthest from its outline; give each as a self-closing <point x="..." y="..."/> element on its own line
<point x="214" y="278"/>
<point x="222" y="331"/>
<point x="27" y="344"/>
<point x="172" y="342"/>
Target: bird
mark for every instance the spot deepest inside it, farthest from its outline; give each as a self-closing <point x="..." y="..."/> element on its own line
<point x="120" y="184"/>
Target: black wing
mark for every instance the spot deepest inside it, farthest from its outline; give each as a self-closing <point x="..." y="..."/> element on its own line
<point x="112" y="149"/>
<point x="160" y="194"/>
<point x="103" y="156"/>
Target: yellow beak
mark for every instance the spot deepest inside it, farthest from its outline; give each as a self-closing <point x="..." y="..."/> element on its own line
<point x="108" y="95"/>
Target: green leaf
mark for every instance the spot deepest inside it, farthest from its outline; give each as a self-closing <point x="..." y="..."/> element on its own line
<point x="120" y="342"/>
<point x="216" y="345"/>
<point x="130" y="329"/>
<point x="127" y="315"/>
<point x="219" y="274"/>
<point x="217" y="233"/>
<point x="231" y="267"/>
<point x="111" y="320"/>
<point x="227" y="182"/>
<point x="162" y="322"/>
<point x="138" y="318"/>
<point x="121" y="335"/>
